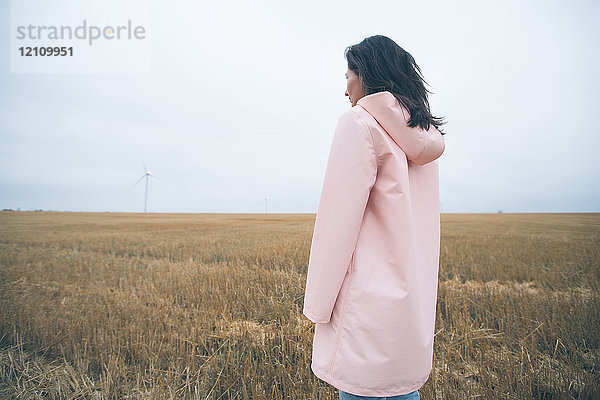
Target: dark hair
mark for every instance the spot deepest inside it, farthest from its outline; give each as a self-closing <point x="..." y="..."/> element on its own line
<point x="382" y="65"/>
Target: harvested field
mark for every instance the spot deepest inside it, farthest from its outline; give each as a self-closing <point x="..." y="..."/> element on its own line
<point x="209" y="306"/>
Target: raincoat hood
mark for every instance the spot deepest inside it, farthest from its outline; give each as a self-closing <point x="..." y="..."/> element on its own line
<point x="420" y="146"/>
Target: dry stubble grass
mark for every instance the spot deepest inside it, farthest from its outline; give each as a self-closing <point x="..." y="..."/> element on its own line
<point x="208" y="306"/>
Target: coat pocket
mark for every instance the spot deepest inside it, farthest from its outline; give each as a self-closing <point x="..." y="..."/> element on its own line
<point x="352" y="266"/>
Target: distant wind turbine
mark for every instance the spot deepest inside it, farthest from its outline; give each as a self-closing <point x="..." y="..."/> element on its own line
<point x="147" y="174"/>
<point x="266" y="202"/>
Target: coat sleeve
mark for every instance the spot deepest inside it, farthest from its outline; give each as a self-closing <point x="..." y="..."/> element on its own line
<point x="350" y="174"/>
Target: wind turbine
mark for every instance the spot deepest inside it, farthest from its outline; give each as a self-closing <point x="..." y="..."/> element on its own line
<point x="266" y="201"/>
<point x="147" y="174"/>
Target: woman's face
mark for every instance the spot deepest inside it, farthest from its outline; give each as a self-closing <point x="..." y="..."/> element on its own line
<point x="353" y="87"/>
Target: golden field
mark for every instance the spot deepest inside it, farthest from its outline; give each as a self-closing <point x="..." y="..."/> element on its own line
<point x="209" y="306"/>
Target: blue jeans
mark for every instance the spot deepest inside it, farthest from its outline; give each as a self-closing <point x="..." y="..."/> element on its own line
<point x="409" y="396"/>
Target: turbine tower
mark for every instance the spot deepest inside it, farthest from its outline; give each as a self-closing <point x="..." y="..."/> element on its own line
<point x="147" y="175"/>
<point x="266" y="202"/>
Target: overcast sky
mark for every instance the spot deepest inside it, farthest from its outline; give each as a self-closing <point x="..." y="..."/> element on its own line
<point x="242" y="98"/>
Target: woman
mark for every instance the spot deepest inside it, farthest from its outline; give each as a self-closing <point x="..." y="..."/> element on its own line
<point x="371" y="287"/>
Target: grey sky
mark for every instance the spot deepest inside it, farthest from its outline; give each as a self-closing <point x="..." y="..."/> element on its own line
<point x="242" y="101"/>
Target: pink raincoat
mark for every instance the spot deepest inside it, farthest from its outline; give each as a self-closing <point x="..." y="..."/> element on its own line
<point x="371" y="287"/>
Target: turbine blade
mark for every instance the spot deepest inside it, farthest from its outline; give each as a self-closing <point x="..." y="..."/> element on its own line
<point x="138" y="181"/>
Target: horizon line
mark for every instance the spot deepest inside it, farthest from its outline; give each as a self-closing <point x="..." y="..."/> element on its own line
<point x="278" y="213"/>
